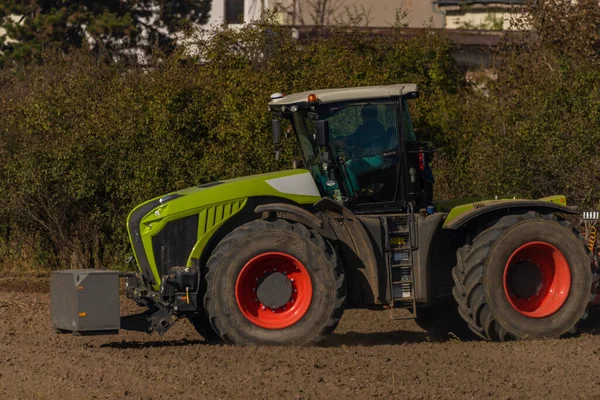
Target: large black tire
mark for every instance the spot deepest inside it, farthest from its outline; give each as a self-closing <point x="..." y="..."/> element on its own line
<point x="227" y="268"/>
<point x="483" y="270"/>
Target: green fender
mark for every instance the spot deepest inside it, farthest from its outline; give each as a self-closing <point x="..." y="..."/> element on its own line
<point x="461" y="214"/>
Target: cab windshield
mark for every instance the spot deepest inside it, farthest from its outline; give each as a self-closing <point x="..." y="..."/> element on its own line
<point x="363" y="139"/>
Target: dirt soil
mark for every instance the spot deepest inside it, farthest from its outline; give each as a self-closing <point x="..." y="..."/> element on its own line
<point x="368" y="357"/>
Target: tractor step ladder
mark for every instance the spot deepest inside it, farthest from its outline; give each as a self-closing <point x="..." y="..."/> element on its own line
<point x="401" y="240"/>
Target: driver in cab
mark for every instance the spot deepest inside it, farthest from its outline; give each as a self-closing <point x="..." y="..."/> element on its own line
<point x="366" y="145"/>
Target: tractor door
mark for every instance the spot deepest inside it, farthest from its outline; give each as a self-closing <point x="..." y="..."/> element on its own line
<point x="366" y="156"/>
<point x="384" y="166"/>
<point x="365" y="140"/>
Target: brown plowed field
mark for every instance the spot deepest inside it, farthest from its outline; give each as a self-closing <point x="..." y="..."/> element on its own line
<point x="368" y="357"/>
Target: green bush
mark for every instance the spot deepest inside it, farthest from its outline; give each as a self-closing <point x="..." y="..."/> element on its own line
<point x="83" y="142"/>
<point x="535" y="129"/>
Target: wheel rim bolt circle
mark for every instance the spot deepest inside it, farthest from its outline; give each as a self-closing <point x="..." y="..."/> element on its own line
<point x="279" y="314"/>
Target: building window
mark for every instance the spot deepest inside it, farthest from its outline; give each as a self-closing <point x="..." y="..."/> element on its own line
<point x="234" y="11"/>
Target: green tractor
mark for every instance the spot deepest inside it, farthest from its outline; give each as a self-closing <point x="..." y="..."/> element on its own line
<point x="276" y="258"/>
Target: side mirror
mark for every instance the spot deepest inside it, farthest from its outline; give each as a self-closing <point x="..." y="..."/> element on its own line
<point x="322" y="133"/>
<point x="276" y="127"/>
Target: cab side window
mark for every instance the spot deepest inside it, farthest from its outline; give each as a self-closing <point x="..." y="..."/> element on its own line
<point x="363" y="136"/>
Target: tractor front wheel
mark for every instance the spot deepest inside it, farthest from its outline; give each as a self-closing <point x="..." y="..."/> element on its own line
<point x="274" y="283"/>
<point x="527" y="276"/>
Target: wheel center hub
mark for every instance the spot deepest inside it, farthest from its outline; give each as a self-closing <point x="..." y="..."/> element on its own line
<point x="525" y="279"/>
<point x="275" y="290"/>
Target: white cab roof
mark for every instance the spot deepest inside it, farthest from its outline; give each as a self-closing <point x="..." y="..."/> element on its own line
<point x="347" y="94"/>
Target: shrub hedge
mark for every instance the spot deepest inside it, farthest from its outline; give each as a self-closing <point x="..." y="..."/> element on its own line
<point x="83" y="142"/>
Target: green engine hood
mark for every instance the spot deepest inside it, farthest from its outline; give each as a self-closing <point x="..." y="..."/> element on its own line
<point x="296" y="185"/>
<point x="205" y="208"/>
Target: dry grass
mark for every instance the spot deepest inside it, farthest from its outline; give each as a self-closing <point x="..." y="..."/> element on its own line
<point x="21" y="306"/>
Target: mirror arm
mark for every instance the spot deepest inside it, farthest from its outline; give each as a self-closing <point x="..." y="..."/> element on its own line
<point x="276" y="130"/>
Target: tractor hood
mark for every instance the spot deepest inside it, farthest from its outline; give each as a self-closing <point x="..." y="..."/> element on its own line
<point x="296" y="185"/>
<point x="174" y="228"/>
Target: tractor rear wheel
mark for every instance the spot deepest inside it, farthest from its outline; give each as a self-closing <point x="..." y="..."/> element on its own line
<point x="527" y="276"/>
<point x="274" y="283"/>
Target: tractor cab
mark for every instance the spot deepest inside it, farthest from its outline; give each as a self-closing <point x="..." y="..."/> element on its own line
<point x="359" y="145"/>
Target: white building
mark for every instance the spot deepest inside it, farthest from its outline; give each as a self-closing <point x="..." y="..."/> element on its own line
<point x="481" y="14"/>
<point x="234" y="12"/>
<point x="379" y="13"/>
<point x="448" y="14"/>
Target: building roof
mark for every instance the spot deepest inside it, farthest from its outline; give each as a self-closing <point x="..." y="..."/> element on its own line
<point x="347" y="94"/>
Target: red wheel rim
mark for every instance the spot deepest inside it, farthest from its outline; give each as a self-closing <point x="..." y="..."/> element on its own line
<point x="537" y="279"/>
<point x="256" y="271"/>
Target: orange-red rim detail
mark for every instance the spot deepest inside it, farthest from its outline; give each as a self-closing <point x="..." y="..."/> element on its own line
<point x="554" y="285"/>
<point x="260" y="267"/>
